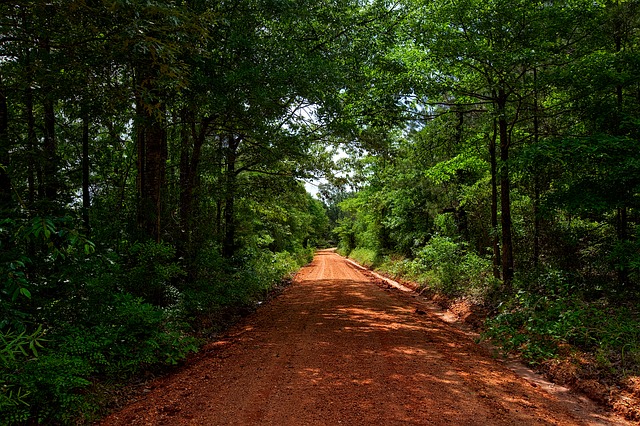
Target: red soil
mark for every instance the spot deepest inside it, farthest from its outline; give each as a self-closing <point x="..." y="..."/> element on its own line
<point x="335" y="348"/>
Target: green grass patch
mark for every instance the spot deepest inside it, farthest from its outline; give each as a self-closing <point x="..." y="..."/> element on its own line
<point x="365" y="257"/>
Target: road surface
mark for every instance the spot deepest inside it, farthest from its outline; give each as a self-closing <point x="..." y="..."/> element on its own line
<point x="336" y="349"/>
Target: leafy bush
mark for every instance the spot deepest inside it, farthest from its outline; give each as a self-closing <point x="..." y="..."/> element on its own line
<point x="132" y="337"/>
<point x="445" y="266"/>
<point x="48" y="383"/>
<point x="221" y="283"/>
<point x="441" y="256"/>
<point x="271" y="268"/>
<point x="15" y="349"/>
<point x="95" y="330"/>
<point x="55" y="385"/>
<point x="342" y="251"/>
<point x="35" y="384"/>
<point x="548" y="314"/>
<point x="625" y="256"/>
<point x="152" y="272"/>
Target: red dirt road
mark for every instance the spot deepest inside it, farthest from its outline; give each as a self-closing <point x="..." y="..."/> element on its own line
<point x="334" y="349"/>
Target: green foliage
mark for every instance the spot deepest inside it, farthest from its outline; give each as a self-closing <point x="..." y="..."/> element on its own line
<point x="131" y="337"/>
<point x="16" y="348"/>
<point x="36" y="384"/>
<point x="126" y="338"/>
<point x="199" y="119"/>
<point x="361" y="226"/>
<point x="93" y="330"/>
<point x="364" y="256"/>
<point x="593" y="174"/>
<point x="154" y="265"/>
<point x="52" y="240"/>
<point x="282" y="223"/>
<point x="15" y="345"/>
<point x="54" y="384"/>
<point x="447" y="170"/>
<point x="16" y="283"/>
<point x="625" y="256"/>
<point x="57" y="234"/>
<point x="448" y="267"/>
<point x="551" y="313"/>
<point x="221" y="284"/>
<point x="274" y="267"/>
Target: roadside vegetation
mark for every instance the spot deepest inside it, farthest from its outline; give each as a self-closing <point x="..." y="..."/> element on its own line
<point x="80" y="320"/>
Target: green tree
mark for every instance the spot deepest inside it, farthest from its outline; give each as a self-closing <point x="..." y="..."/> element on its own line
<point x="481" y="56"/>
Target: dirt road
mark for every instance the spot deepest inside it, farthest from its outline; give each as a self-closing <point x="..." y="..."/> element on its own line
<point x="334" y="349"/>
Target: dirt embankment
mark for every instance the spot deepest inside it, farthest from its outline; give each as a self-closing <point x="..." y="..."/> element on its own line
<point x="335" y="348"/>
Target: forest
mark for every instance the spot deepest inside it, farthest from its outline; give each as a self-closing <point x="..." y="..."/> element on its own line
<point x="154" y="154"/>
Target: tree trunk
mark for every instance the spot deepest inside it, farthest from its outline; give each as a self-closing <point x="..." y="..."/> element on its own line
<point x="33" y="160"/>
<point x="152" y="158"/>
<point x="218" y="224"/>
<point x="5" y="182"/>
<point x="86" y="196"/>
<point x="228" y="242"/>
<point x="505" y="193"/>
<point x="494" y="202"/>
<point x="190" y="154"/>
<point x="536" y="221"/>
<point x="219" y="167"/>
<point x="186" y="190"/>
<point x="536" y="177"/>
<point x="621" y="214"/>
<point x="50" y="168"/>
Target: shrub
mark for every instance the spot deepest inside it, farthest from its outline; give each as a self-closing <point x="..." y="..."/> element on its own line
<point x="128" y="336"/>
<point x="547" y="313"/>
<point x="221" y="283"/>
<point x="152" y="272"/>
<point x="16" y="349"/>
<point x="447" y="267"/>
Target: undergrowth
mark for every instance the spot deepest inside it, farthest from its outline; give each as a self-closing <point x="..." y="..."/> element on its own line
<point x="365" y="257"/>
<point x="446" y="267"/>
<point x="95" y="330"/>
<point x="539" y="324"/>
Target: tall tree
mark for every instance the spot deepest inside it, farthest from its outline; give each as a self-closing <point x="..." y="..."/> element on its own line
<point x="5" y="180"/>
<point x="482" y="55"/>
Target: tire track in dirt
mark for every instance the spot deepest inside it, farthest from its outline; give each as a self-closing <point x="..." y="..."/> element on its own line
<point x="334" y="349"/>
